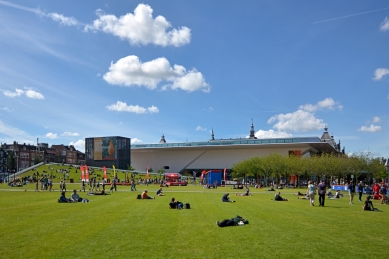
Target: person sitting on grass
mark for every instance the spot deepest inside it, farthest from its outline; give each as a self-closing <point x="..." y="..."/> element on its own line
<point x="369" y="205"/>
<point x="62" y="198"/>
<point x="247" y="193"/>
<point x="145" y="195"/>
<point x="238" y="220"/>
<point x="175" y="204"/>
<point x="271" y="189"/>
<point x="75" y="197"/>
<point x="225" y="198"/>
<point x="160" y="193"/>
<point x="278" y="197"/>
<point x="299" y="194"/>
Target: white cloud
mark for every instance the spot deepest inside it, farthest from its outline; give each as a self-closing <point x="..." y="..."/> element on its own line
<point x="123" y="107"/>
<point x="18" y="92"/>
<point x="51" y="135"/>
<point x="79" y="145"/>
<point x="6" y="109"/>
<point x="376" y="119"/>
<point x="70" y="134"/>
<point x="261" y="134"/>
<point x="135" y="140"/>
<point x="63" y="20"/>
<point x="327" y="103"/>
<point x="385" y="25"/>
<point x="130" y="71"/>
<point x="297" y="121"/>
<point x="141" y="28"/>
<point x="303" y="119"/>
<point x="201" y="128"/>
<point x="33" y="94"/>
<point x="371" y="128"/>
<point x="379" y="73"/>
<point x="13" y="134"/>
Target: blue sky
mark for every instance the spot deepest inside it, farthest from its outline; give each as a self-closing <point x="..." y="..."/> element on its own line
<point x="76" y="69"/>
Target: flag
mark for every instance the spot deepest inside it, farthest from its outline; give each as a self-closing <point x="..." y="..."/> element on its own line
<point x="82" y="173"/>
<point x="86" y="174"/>
<point x="225" y="171"/>
<point x="202" y="174"/>
<point x="114" y="171"/>
<point x="105" y="173"/>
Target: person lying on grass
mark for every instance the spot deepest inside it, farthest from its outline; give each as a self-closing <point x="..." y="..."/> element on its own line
<point x="236" y="221"/>
<point x="99" y="193"/>
<point x="278" y="197"/>
<point x="247" y="193"/>
<point x="369" y="205"/>
<point x="145" y="195"/>
<point x="175" y="204"/>
<point x="299" y="194"/>
<point x="336" y="196"/>
<point x="225" y="198"/>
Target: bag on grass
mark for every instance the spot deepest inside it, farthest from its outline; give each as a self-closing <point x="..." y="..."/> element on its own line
<point x="187" y="206"/>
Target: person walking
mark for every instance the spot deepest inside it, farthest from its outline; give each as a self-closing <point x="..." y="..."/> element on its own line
<point x="322" y="192"/>
<point x="351" y="191"/>
<point x="311" y="193"/>
<point x="360" y="190"/>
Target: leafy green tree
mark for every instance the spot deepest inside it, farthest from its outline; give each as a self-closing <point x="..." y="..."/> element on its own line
<point x="161" y="171"/>
<point x="11" y="161"/>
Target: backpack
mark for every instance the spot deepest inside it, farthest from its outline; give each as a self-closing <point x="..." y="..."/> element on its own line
<point x="187" y="206"/>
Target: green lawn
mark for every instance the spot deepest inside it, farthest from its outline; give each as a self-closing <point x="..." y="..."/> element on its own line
<point x="34" y="225"/>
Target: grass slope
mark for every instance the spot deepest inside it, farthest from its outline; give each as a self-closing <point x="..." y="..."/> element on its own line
<point x="34" y="225"/>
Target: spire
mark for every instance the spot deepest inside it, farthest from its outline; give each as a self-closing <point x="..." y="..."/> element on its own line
<point x="213" y="135"/>
<point x="252" y="132"/>
<point x="162" y="139"/>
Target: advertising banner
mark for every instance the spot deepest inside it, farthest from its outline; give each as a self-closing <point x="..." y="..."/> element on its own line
<point x="105" y="148"/>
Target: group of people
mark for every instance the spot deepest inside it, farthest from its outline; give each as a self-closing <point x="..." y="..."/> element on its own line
<point x="75" y="197"/>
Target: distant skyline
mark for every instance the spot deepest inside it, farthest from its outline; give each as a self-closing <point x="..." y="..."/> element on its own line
<point x="72" y="70"/>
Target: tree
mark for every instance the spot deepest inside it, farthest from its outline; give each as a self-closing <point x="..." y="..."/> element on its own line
<point x="11" y="161"/>
<point x="161" y="171"/>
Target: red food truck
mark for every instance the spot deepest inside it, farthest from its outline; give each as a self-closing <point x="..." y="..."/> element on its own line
<point x="174" y="179"/>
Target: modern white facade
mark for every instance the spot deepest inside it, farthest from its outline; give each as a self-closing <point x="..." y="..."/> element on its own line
<point x="224" y="153"/>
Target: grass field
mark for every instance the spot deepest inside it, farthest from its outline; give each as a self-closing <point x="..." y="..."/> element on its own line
<point x="34" y="225"/>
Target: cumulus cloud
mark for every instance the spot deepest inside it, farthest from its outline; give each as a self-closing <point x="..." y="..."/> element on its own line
<point x="371" y="128"/>
<point x="19" y="92"/>
<point x="123" y="107"/>
<point x="141" y="28"/>
<point x="379" y="73"/>
<point x="201" y="128"/>
<point x="51" y="135"/>
<point x="327" y="103"/>
<point x="385" y="25"/>
<point x="79" y="145"/>
<point x="261" y="134"/>
<point x="304" y="118"/>
<point x="135" y="140"/>
<point x="297" y="121"/>
<point x="130" y="71"/>
<point x="70" y="134"/>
